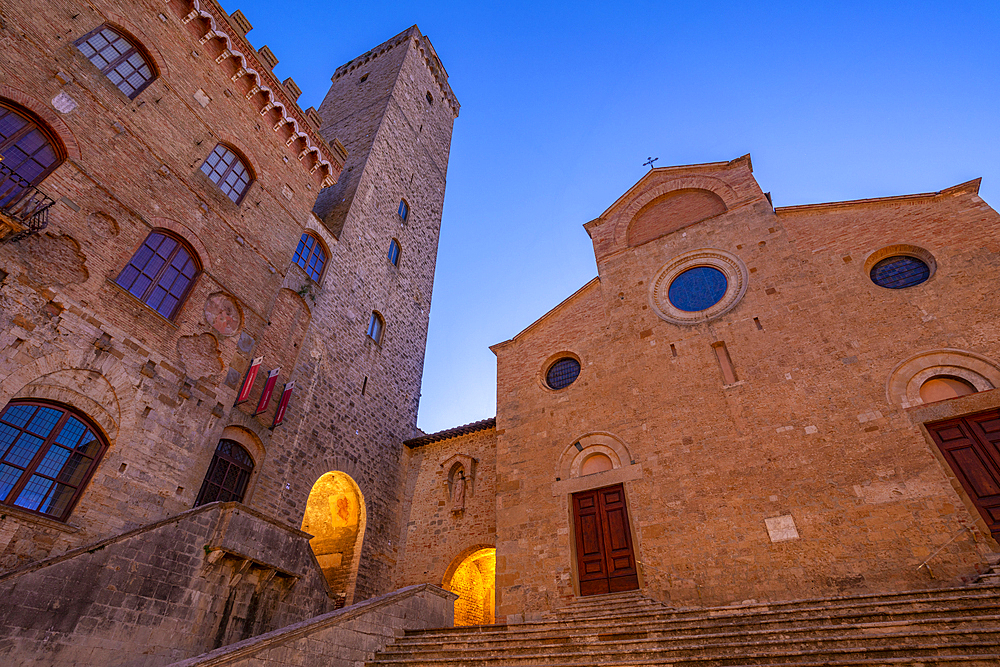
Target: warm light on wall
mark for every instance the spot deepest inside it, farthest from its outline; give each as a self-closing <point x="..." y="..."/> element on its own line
<point x="475" y="582"/>
<point x="335" y="517"/>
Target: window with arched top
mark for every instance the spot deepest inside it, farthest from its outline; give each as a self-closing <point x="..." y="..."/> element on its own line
<point x="48" y="453"/>
<point x="119" y="57"/>
<point x="228" y="475"/>
<point x="29" y="151"/>
<point x="376" y="326"/>
<point x="404" y="210"/>
<point x="229" y="171"/>
<point x="310" y="255"/>
<point x="394" y="252"/>
<point x="161" y="272"/>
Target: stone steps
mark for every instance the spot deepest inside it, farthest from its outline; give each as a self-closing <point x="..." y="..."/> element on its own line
<point x="946" y="626"/>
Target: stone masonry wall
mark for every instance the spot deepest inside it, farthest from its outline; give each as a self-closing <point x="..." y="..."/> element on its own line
<point x="343" y="638"/>
<point x="206" y="578"/>
<point x="160" y="390"/>
<point x="436" y="538"/>
<point x="804" y="438"/>
<point x="356" y="399"/>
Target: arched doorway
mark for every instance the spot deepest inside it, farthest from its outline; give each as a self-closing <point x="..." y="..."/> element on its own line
<point x="473" y="577"/>
<point x="335" y="517"/>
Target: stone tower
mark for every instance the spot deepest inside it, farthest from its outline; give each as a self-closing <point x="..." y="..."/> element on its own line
<point x="357" y="395"/>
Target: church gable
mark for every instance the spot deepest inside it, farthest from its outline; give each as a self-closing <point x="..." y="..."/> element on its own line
<point x="667" y="199"/>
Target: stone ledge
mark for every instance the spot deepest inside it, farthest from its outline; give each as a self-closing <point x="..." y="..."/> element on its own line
<point x="23" y="515"/>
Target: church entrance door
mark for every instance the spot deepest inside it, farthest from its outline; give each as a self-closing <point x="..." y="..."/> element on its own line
<point x="971" y="445"/>
<point x="604" y="555"/>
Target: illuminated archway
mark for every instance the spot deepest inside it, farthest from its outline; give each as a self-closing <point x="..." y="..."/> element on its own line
<point x="473" y="577"/>
<point x="335" y="517"/>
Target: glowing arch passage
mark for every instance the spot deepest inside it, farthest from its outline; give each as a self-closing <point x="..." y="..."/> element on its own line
<point x="335" y="517"/>
<point x="474" y="580"/>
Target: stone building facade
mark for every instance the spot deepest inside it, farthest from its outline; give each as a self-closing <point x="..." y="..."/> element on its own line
<point x="165" y="247"/>
<point x="213" y="315"/>
<point x="781" y="436"/>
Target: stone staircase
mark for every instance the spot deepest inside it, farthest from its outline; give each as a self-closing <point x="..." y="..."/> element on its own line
<point x="947" y="626"/>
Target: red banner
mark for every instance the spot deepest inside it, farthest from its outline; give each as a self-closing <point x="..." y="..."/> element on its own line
<point x="265" y="397"/>
<point x="286" y="395"/>
<point x="248" y="381"/>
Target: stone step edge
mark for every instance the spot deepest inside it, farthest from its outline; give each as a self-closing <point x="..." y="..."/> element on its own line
<point x="932" y="592"/>
<point x="921" y="661"/>
<point x="407" y="643"/>
<point x="764" y="616"/>
<point x="602" y="647"/>
<point x="547" y="659"/>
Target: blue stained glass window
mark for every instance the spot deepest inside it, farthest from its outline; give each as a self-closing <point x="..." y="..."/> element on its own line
<point x="563" y="373"/>
<point x="697" y="289"/>
<point x="899" y="272"/>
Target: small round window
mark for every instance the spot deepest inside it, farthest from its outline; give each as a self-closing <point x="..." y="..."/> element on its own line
<point x="900" y="271"/>
<point x="563" y="373"/>
<point x="697" y="289"/>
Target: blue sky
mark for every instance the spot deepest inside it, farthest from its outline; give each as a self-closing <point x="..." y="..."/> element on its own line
<point x="563" y="102"/>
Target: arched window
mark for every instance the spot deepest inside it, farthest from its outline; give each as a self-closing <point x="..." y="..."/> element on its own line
<point x="376" y="325"/>
<point x="228" y="475"/>
<point x="119" y="58"/>
<point x="394" y="252"/>
<point x="49" y="453"/>
<point x="404" y="210"/>
<point x="229" y="171"/>
<point x="310" y="256"/>
<point x="161" y="272"/>
<point x="28" y="152"/>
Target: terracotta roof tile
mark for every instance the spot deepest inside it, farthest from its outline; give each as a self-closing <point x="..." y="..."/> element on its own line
<point x="466" y="429"/>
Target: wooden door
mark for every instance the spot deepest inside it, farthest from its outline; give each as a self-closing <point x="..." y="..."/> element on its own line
<point x="604" y="554"/>
<point x="971" y="445"/>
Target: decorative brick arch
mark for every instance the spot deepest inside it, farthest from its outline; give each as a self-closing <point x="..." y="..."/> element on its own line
<point x="110" y="369"/>
<point x="693" y="182"/>
<point x="903" y="385"/>
<point x="188" y="235"/>
<point x="572" y="456"/>
<point x="46" y="113"/>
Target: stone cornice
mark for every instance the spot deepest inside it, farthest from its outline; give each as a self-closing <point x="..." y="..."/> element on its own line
<point x="328" y="157"/>
<point x="969" y="187"/>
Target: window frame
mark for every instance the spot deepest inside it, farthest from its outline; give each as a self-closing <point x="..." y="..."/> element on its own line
<point x="318" y="248"/>
<point x="240" y="159"/>
<point x="137" y="47"/>
<point x="182" y="299"/>
<point x="404" y="209"/>
<point x="395" y="244"/>
<point x="218" y="456"/>
<point x="33" y="121"/>
<point x="32" y="465"/>
<point x="376" y="325"/>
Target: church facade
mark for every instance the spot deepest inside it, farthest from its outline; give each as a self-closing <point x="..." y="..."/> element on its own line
<point x="747" y="403"/>
<point x="213" y="315"/>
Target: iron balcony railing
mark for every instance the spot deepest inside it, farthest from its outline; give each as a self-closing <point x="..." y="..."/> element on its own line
<point x="25" y="206"/>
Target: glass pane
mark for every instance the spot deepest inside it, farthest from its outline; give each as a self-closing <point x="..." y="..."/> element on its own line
<point x="8" y="434"/>
<point x="8" y="478"/>
<point x="34" y="493"/>
<point x="74" y="470"/>
<point x="53" y="461"/>
<point x="59" y="500"/>
<point x="90" y="445"/>
<point x="24" y="450"/>
<point x="218" y="472"/>
<point x="18" y="415"/>
<point x="70" y="433"/>
<point x="697" y="289"/>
